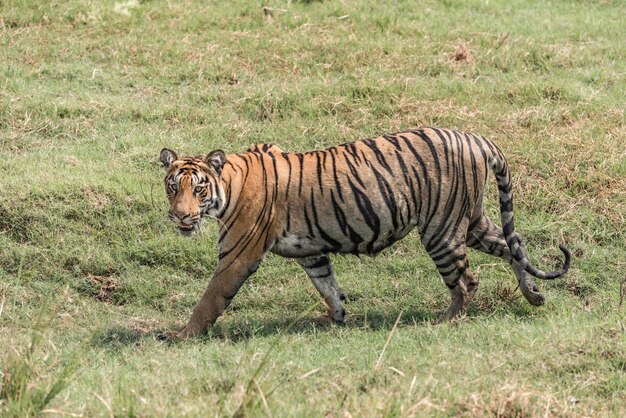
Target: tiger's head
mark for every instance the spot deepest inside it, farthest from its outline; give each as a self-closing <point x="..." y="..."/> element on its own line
<point x="193" y="188"/>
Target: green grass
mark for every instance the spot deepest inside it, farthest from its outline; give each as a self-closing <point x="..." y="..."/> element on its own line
<point x="91" y="91"/>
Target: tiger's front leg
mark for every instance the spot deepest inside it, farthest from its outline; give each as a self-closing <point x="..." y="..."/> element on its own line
<point x="227" y="279"/>
<point x="320" y="271"/>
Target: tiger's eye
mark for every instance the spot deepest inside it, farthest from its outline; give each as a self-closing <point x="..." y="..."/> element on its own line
<point x="174" y="186"/>
<point x="198" y="189"/>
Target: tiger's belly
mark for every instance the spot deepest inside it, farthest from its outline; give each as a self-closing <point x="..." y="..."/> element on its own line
<point x="297" y="245"/>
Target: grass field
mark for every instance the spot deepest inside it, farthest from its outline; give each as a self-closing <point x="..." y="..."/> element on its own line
<point x="91" y="270"/>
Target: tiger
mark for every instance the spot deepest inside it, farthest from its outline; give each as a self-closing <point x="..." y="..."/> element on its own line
<point x="356" y="198"/>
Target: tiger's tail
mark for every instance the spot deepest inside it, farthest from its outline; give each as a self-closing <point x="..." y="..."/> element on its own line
<point x="503" y="177"/>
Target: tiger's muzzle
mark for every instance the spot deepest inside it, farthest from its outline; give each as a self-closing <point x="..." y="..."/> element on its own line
<point x="188" y="225"/>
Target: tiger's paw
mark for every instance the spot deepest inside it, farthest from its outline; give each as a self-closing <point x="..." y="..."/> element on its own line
<point x="167" y="336"/>
<point x="338" y="316"/>
<point x="187" y="332"/>
<point x="449" y="317"/>
<point x="331" y="318"/>
<point x="531" y="292"/>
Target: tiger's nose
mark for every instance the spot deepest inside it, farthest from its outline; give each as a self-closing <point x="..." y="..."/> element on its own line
<point x="184" y="218"/>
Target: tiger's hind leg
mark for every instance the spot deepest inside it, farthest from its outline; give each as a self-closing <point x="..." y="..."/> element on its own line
<point x="484" y="236"/>
<point x="452" y="264"/>
<point x="320" y="271"/>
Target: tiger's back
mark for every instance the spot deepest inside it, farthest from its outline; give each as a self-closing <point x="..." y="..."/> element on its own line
<point x="361" y="197"/>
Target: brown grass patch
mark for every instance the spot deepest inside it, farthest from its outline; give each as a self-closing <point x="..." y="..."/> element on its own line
<point x="105" y="286"/>
<point x="462" y="53"/>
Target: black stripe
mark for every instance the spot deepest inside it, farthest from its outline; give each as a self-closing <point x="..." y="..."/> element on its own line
<point x="321" y="262"/>
<point x="407" y="182"/>
<point x="506" y="205"/>
<point x="425" y="178"/>
<point x="286" y="157"/>
<point x="309" y="225"/>
<point x="504" y="184"/>
<point x="474" y="223"/>
<point x="335" y="245"/>
<point x="474" y="166"/>
<point x="388" y="196"/>
<point x="335" y="176"/>
<point x="319" y="172"/>
<point x="380" y="157"/>
<point x="393" y="140"/>
<point x="343" y="222"/>
<point x="322" y="276"/>
<point x="369" y="215"/>
<point x="353" y="170"/>
<point x="444" y="140"/>
<point x="301" y="159"/>
<point x="352" y="150"/>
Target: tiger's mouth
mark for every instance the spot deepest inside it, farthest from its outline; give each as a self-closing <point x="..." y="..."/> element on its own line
<point x="189" y="230"/>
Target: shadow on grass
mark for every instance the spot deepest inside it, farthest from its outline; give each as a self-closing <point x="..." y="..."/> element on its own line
<point x="374" y="320"/>
<point x="118" y="336"/>
<point x="242" y="330"/>
<point x="238" y="328"/>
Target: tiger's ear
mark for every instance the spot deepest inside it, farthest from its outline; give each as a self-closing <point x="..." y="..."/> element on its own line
<point x="216" y="160"/>
<point x="167" y="157"/>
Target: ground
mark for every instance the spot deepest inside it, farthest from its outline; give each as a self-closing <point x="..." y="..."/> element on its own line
<point x="91" y="269"/>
